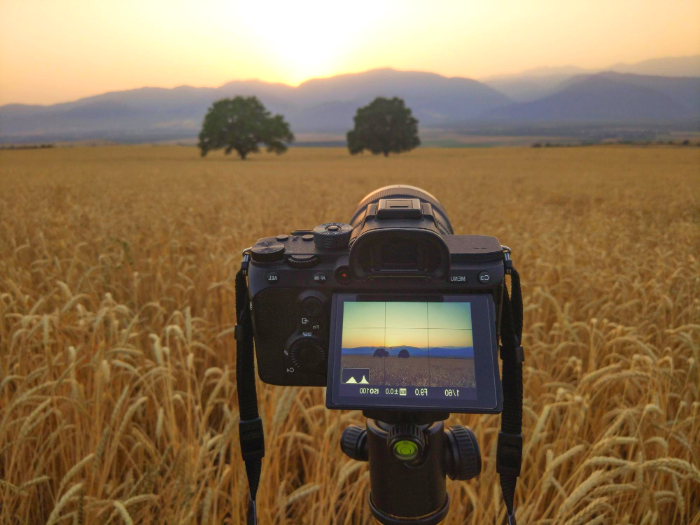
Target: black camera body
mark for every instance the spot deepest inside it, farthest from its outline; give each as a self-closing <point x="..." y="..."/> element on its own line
<point x="399" y="241"/>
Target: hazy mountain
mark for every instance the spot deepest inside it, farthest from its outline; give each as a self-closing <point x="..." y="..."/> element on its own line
<point x="327" y="105"/>
<point x="319" y="105"/>
<point x="611" y="97"/>
<point x="685" y="90"/>
<point x="533" y="84"/>
<point x="668" y="67"/>
<point x="433" y="98"/>
<point x="450" y="352"/>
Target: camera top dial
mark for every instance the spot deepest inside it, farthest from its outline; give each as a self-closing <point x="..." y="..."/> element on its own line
<point x="332" y="236"/>
<point x="267" y="251"/>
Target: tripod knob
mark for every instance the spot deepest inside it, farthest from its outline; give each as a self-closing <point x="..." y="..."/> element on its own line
<point x="406" y="442"/>
<point x="353" y="443"/>
<point x="463" y="457"/>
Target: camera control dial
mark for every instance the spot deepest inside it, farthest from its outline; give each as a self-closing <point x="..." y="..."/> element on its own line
<point x="308" y="354"/>
<point x="332" y="236"/>
<point x="303" y="261"/>
<point x="267" y="251"/>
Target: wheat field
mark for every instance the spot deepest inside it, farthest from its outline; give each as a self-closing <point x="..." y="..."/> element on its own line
<point x="117" y="356"/>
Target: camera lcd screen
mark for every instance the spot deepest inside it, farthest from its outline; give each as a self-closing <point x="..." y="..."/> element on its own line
<point x="433" y="352"/>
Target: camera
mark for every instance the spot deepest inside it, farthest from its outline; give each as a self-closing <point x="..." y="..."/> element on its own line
<point x="398" y="317"/>
<point x="391" y="310"/>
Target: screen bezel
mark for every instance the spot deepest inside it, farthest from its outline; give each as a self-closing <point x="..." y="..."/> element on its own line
<point x="489" y="392"/>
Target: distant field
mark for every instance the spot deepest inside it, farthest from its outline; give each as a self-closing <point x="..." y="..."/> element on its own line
<point x="117" y="393"/>
<point x="414" y="371"/>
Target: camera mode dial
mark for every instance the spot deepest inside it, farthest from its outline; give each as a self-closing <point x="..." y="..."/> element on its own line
<point x="308" y="354"/>
<point x="267" y="251"/>
<point x="332" y="236"/>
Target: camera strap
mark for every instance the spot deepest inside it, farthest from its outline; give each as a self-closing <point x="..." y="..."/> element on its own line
<point x="509" y="451"/>
<point x="250" y="429"/>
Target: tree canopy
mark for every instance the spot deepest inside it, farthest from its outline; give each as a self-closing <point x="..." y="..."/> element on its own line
<point x="242" y="124"/>
<point x="384" y="126"/>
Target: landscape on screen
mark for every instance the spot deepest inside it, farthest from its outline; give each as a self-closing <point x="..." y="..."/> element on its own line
<point x="448" y="352"/>
<point x="418" y="344"/>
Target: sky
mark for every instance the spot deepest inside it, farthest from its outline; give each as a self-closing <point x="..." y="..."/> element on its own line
<point x="423" y="325"/>
<point x="60" y="50"/>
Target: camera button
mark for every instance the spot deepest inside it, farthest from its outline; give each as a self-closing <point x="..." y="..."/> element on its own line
<point x="342" y="274"/>
<point x="319" y="278"/>
<point x="308" y="237"/>
<point x="458" y="278"/>
<point x="311" y="306"/>
<point x="282" y="237"/>
<point x="273" y="278"/>
<point x="484" y="277"/>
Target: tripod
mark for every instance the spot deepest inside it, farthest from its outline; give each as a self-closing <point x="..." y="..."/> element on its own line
<point x="410" y="454"/>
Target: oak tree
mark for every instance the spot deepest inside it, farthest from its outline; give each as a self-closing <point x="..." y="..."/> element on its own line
<point x="384" y="126"/>
<point x="242" y="124"/>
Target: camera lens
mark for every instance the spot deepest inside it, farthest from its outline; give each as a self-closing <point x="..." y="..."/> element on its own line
<point x="400" y="191"/>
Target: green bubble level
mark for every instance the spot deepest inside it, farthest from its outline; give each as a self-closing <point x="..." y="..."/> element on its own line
<point x="406" y="449"/>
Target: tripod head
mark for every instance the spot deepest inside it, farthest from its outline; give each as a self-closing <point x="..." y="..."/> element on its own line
<point x="410" y="454"/>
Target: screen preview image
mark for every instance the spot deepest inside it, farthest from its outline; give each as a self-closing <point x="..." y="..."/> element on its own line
<point x="408" y="344"/>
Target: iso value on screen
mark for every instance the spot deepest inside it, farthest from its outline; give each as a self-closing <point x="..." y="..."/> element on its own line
<point x="370" y="390"/>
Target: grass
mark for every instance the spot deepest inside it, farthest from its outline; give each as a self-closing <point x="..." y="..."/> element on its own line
<point x="117" y="393"/>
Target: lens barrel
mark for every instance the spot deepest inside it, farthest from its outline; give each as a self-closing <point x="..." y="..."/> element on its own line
<point x="401" y="191"/>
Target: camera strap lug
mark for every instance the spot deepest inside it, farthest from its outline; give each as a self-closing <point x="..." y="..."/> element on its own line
<point x="507" y="261"/>
<point x="246" y="261"/>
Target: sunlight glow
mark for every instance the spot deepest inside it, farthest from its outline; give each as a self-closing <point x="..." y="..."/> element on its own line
<point x="298" y="41"/>
<point x="57" y="51"/>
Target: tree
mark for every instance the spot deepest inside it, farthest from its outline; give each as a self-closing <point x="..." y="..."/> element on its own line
<point x="385" y="126"/>
<point x="241" y="124"/>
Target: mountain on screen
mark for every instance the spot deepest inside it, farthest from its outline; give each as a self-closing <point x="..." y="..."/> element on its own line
<point x="449" y="352"/>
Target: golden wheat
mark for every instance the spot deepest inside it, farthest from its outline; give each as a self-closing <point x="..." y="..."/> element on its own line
<point x="117" y="393"/>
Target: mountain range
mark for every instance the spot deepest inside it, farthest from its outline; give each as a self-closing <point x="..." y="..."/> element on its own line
<point x="449" y="352"/>
<point x="561" y="96"/>
<point x="533" y="84"/>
